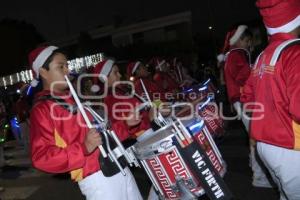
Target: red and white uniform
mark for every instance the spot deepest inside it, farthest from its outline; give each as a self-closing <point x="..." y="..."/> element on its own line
<point x="236" y="72"/>
<point x="57" y="146"/>
<point x="274" y="84"/>
<point x="276" y="127"/>
<point x="277" y="88"/>
<point x="57" y="140"/>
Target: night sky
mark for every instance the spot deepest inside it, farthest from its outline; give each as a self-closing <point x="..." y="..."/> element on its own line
<point x="56" y="19"/>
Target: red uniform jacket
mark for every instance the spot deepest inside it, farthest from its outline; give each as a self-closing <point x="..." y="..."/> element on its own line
<point x="155" y="92"/>
<point x="277" y="88"/>
<point x="118" y="108"/>
<point x="167" y="83"/>
<point x="57" y="140"/>
<point x="236" y="71"/>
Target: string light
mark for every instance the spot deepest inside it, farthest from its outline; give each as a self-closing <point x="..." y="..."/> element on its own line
<point x="23" y="76"/>
<point x="4" y="82"/>
<point x="18" y="77"/>
<point x="74" y="65"/>
<point x="10" y="79"/>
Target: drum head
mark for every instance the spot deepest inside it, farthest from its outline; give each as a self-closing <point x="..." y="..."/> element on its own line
<point x="160" y="141"/>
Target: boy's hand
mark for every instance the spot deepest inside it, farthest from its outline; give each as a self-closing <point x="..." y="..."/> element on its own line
<point x="92" y="140"/>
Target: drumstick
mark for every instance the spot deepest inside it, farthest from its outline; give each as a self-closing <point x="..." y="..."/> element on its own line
<point x="180" y="135"/>
<point x="185" y="131"/>
<point x="83" y="113"/>
<point x="179" y="73"/>
<point x="145" y="90"/>
<point x="149" y="100"/>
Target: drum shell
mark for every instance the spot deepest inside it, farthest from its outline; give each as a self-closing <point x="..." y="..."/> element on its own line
<point x="162" y="166"/>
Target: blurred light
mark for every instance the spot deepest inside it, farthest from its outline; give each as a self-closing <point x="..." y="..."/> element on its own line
<point x="196" y="128"/>
<point x="131" y="78"/>
<point x="6" y="126"/>
<point x="202" y="88"/>
<point x="28" y="90"/>
<point x="210" y="27"/>
<point x="205" y="103"/>
<point x="206" y="82"/>
<point x="18" y="91"/>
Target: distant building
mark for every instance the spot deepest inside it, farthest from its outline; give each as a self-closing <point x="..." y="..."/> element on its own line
<point x="163" y="35"/>
<point x="169" y="35"/>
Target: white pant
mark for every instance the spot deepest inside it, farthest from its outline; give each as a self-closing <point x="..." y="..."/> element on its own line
<point x="117" y="187"/>
<point x="259" y="178"/>
<point x="284" y="167"/>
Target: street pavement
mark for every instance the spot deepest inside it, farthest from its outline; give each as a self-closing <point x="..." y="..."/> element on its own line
<point x="21" y="181"/>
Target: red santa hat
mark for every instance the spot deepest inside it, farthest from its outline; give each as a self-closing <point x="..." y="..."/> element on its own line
<point x="231" y="38"/>
<point x="37" y="59"/>
<point x="102" y="69"/>
<point x="280" y="16"/>
<point x="132" y="67"/>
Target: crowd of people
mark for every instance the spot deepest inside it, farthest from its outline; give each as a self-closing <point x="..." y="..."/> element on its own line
<point x="264" y="94"/>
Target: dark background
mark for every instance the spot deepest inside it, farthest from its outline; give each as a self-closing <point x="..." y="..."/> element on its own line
<point x="24" y="24"/>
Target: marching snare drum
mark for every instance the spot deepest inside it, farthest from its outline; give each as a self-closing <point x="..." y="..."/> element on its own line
<point x="202" y="97"/>
<point x="207" y="109"/>
<point x="161" y="158"/>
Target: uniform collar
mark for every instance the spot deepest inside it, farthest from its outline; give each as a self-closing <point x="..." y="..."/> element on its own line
<point x="281" y="37"/>
<point x="62" y="95"/>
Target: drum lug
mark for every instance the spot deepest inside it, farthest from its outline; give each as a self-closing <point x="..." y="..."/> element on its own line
<point x="183" y="188"/>
<point x="131" y="153"/>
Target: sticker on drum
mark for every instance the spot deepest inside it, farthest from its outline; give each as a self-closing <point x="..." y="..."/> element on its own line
<point x="164" y="169"/>
<point x="200" y="132"/>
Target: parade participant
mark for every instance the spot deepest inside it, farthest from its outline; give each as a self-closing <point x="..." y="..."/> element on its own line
<point x="274" y="86"/>
<point x="237" y="70"/>
<point x="121" y="108"/>
<point x="138" y="71"/>
<point x="60" y="140"/>
<point x="235" y="58"/>
<point x="162" y="77"/>
<point x="180" y="73"/>
<point x="237" y="63"/>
